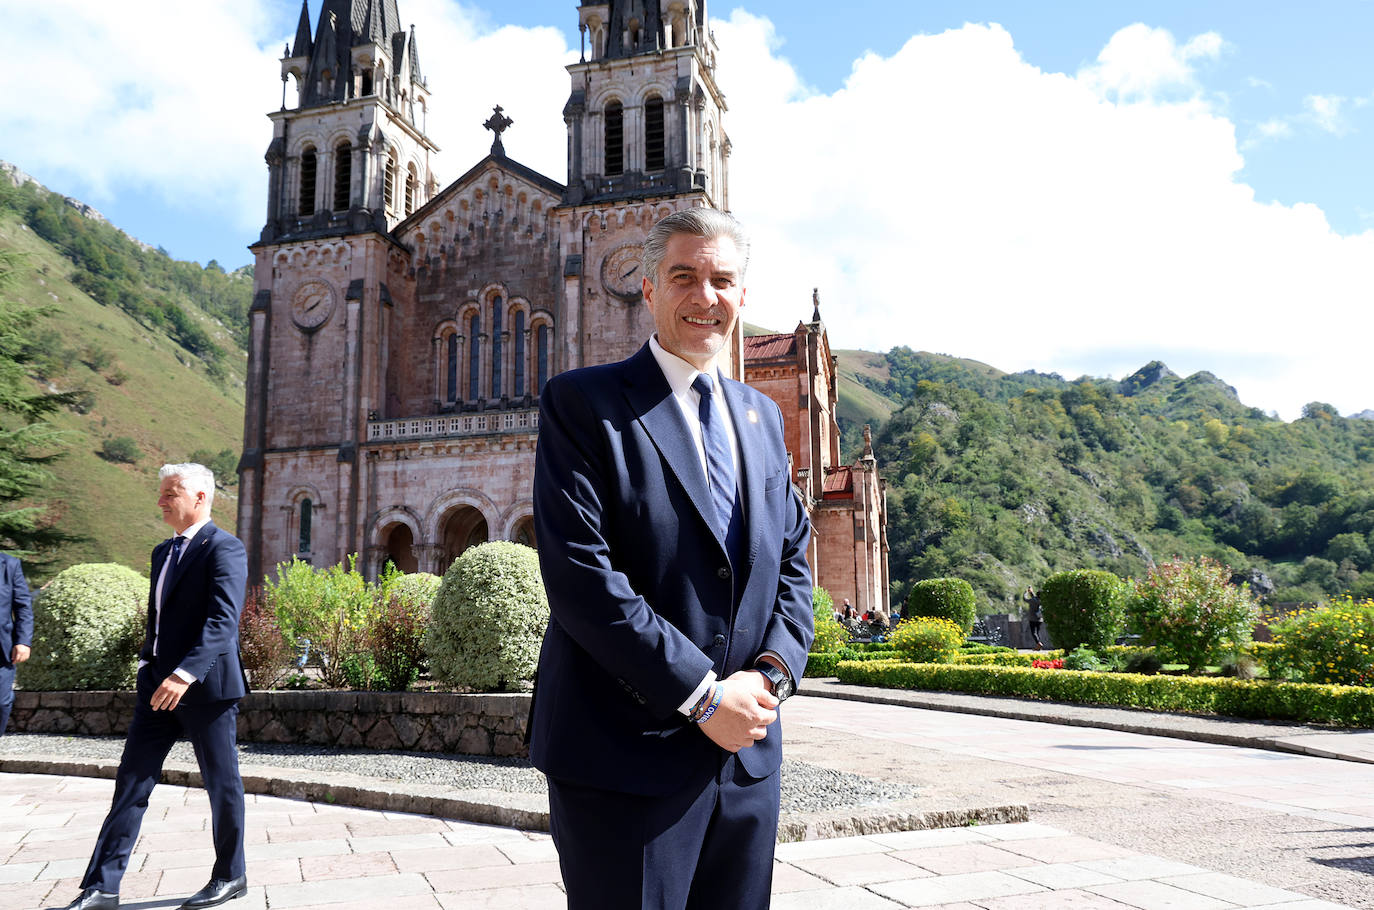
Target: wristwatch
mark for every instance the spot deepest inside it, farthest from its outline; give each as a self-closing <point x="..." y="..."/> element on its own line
<point x="782" y="683"/>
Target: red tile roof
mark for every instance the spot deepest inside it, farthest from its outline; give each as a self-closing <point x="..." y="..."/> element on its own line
<point x="838" y="483"/>
<point x="769" y="347"/>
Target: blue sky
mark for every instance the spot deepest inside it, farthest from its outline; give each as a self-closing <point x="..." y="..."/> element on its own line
<point x="1077" y="187"/>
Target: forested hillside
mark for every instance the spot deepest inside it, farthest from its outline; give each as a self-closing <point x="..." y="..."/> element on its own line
<point x="1004" y="478"/>
<point x="143" y="356"/>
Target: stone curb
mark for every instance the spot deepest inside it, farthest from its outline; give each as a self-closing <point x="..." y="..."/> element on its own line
<point x="528" y="812"/>
<point x="1223" y="731"/>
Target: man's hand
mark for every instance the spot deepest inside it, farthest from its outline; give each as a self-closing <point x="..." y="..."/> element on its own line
<point x="168" y="695"/>
<point x="746" y="709"/>
<point x="19" y="654"/>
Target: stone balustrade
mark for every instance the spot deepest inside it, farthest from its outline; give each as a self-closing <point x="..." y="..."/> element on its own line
<point x="492" y="725"/>
<point x="446" y="426"/>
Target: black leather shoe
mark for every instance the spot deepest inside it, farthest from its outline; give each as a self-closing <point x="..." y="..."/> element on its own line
<point x="94" y="899"/>
<point x="217" y="892"/>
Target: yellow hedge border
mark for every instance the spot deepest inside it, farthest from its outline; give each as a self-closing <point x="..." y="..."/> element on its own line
<point x="1351" y="706"/>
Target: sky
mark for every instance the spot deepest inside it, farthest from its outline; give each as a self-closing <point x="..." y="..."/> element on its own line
<point x="1070" y="187"/>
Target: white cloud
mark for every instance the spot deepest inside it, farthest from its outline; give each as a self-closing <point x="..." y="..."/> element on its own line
<point x="1143" y="62"/>
<point x="1326" y="112"/>
<point x="953" y="198"/>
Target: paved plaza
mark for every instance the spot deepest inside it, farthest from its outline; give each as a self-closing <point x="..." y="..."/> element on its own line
<point x="1118" y="820"/>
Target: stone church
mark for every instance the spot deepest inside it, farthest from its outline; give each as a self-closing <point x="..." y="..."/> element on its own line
<point x="402" y="329"/>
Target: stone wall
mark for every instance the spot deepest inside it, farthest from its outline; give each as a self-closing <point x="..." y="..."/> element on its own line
<point x="412" y="721"/>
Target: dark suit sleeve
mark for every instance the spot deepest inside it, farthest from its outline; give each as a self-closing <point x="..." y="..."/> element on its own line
<point x="22" y="604"/>
<point x="590" y="599"/>
<point x="228" y="568"/>
<point x="792" y="627"/>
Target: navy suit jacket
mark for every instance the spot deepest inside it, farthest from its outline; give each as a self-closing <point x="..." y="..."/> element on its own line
<point x="642" y="595"/>
<point x="16" y="609"/>
<point x="199" y="631"/>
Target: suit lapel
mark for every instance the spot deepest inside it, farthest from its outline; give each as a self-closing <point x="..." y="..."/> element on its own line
<point x="651" y="400"/>
<point x="190" y="554"/>
<point x="749" y="433"/>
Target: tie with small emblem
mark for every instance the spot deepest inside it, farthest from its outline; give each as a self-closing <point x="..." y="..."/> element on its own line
<point x="720" y="467"/>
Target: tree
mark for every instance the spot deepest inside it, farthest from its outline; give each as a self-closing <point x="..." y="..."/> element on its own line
<point x="28" y="443"/>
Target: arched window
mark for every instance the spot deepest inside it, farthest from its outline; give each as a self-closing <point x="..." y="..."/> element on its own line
<point x="367" y="82"/>
<point x="653" y="134"/>
<point x="519" y="333"/>
<point x="343" y="176"/>
<point x="474" y="349"/>
<point x="411" y="183"/>
<point x="496" y="347"/>
<point x="389" y="182"/>
<point x="452" y="367"/>
<point x="542" y="353"/>
<point x="307" y="507"/>
<point x="308" y="169"/>
<point x="615" y="139"/>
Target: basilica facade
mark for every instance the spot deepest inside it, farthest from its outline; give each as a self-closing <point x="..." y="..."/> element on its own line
<point x="401" y="329"/>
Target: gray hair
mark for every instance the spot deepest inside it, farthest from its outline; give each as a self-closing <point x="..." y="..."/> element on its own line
<point x="696" y="222"/>
<point x="194" y="478"/>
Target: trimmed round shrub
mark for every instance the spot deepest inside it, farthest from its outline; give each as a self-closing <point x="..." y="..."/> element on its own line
<point x="88" y="625"/>
<point x="1192" y="612"/>
<point x="417" y="589"/>
<point x="944" y="598"/>
<point x="830" y="636"/>
<point x="927" y="639"/>
<point x="488" y="619"/>
<point x="1083" y="607"/>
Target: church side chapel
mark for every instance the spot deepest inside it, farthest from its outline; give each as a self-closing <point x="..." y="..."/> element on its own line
<point x="402" y="329"/>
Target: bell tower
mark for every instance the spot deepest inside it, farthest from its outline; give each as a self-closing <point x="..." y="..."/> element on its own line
<point x="352" y="155"/>
<point x="646" y="138"/>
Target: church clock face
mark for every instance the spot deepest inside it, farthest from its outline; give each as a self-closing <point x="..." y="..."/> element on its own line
<point x="311" y="306"/>
<point x="622" y="272"/>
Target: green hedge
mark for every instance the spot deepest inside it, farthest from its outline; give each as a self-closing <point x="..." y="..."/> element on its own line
<point x="1004" y="659"/>
<point x="1083" y="607"/>
<point x="1351" y="706"/>
<point x="822" y="665"/>
<point x="943" y="598"/>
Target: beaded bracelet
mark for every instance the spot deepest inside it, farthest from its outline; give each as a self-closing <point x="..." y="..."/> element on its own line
<point x="715" y="703"/>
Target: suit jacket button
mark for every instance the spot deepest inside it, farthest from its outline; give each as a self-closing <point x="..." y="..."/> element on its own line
<point x="720" y="640"/>
<point x="723" y="572"/>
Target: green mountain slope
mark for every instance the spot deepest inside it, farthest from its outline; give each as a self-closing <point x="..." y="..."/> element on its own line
<point x="1004" y="478"/>
<point x="156" y="368"/>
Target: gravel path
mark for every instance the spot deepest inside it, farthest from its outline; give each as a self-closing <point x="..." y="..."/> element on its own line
<point x="806" y="787"/>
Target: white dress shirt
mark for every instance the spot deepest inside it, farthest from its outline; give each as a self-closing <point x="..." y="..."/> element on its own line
<point x="190" y="534"/>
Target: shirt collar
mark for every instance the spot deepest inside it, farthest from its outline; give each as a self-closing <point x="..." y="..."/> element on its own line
<point x="191" y="532"/>
<point x="679" y="373"/>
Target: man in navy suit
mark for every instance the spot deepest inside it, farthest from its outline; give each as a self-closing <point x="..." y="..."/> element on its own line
<point x="190" y="680"/>
<point x="16" y="629"/>
<point x="672" y="546"/>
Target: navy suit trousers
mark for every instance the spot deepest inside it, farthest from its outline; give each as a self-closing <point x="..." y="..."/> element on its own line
<point x="6" y="694"/>
<point x="709" y="846"/>
<point x="212" y="729"/>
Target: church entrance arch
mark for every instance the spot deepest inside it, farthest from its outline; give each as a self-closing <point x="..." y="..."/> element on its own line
<point x="463" y="527"/>
<point x="523" y="532"/>
<point x="398" y="547"/>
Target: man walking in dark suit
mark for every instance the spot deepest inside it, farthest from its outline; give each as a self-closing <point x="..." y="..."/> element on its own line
<point x="16" y="630"/>
<point x="190" y="680"/>
<point x="672" y="546"/>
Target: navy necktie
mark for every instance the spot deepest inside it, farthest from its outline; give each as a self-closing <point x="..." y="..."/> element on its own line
<point x="720" y="466"/>
<point x="177" y="543"/>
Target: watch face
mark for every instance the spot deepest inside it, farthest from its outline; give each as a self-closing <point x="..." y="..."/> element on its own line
<point x="311" y="306"/>
<point x="622" y="272"/>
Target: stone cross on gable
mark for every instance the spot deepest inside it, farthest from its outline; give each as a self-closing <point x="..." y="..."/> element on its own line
<point x="498" y="123"/>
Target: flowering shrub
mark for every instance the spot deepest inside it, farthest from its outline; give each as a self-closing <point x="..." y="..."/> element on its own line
<point x="924" y="639"/>
<point x="944" y="598"/>
<point x="1330" y="644"/>
<point x="1056" y="664"/>
<point x="1192" y="612"/>
<point x="830" y="636"/>
<point x="822" y="605"/>
<point x="264" y="650"/>
<point x="1083" y="607"/>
